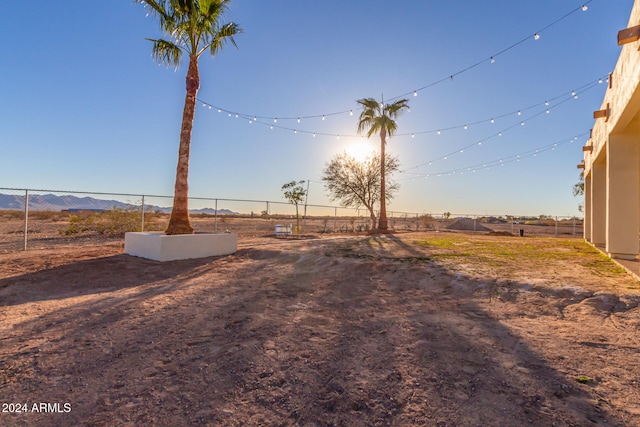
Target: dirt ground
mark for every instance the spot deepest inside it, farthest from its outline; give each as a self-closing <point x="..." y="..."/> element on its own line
<point x="435" y="329"/>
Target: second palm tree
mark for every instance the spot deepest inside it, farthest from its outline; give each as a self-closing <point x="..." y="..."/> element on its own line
<point x="378" y="117"/>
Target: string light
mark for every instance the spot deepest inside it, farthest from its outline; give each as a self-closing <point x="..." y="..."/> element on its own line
<point x="492" y="58"/>
<point x="519" y="112"/>
<point x="500" y="161"/>
<point x="536" y="36"/>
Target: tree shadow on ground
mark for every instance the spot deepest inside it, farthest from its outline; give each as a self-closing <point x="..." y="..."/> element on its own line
<point x="93" y="276"/>
<point x="291" y="336"/>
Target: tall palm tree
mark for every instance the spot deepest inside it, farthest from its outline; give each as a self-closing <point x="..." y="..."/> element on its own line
<point x="378" y="117"/>
<point x="193" y="27"/>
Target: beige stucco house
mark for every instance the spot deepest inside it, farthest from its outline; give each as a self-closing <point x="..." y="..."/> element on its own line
<point x="612" y="155"/>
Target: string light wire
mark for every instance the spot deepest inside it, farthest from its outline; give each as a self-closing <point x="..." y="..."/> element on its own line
<point x="499" y="162"/>
<point x="491" y="59"/>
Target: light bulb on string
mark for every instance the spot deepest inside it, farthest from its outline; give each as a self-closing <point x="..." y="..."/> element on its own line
<point x="323" y="117"/>
<point x="298" y="119"/>
<point x="237" y="115"/>
<point x="519" y="113"/>
<point x="209" y="107"/>
<point x="493" y="60"/>
<point x="219" y="110"/>
<point x="465" y="127"/>
<point x="351" y="113"/>
<point x="584" y="8"/>
<point x="415" y="93"/>
<point x="275" y="120"/>
<point x="536" y="36"/>
<point x="438" y="131"/>
<point x="546" y="103"/>
<point x="547" y="111"/>
<point x="492" y="120"/>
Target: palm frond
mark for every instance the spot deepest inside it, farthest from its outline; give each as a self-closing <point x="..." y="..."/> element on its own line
<point x="375" y="116"/>
<point x="194" y="26"/>
<point x="166" y="52"/>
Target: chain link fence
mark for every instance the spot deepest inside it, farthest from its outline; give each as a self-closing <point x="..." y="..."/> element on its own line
<point x="32" y="219"/>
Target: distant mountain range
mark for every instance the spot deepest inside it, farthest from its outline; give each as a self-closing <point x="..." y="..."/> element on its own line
<point x="51" y="202"/>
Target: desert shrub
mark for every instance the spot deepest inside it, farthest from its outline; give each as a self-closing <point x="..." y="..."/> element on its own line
<point x="47" y="215"/>
<point x="12" y="214"/>
<point x="111" y="223"/>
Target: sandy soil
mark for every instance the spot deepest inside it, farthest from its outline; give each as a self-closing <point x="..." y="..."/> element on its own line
<point x="400" y="330"/>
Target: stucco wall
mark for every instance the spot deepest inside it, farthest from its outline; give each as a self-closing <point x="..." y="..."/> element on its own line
<point x="623" y="97"/>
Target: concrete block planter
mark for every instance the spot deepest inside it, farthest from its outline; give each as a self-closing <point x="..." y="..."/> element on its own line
<point x="160" y="247"/>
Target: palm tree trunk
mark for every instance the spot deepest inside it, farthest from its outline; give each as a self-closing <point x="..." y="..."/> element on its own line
<point x="179" y="223"/>
<point x="382" y="223"/>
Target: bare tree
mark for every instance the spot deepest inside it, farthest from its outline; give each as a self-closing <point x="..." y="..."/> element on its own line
<point x="357" y="183"/>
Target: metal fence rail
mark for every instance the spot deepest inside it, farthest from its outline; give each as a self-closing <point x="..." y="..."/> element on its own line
<point x="32" y="218"/>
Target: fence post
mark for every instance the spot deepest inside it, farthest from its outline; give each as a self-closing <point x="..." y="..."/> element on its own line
<point x="142" y="225"/>
<point x="26" y="217"/>
<point x="335" y="219"/>
<point x="215" y="217"/>
<point x="556" y="226"/>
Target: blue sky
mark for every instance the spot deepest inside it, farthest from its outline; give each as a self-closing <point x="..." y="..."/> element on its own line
<point x="84" y="107"/>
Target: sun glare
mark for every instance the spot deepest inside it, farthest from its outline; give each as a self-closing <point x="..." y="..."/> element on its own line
<point x="360" y="150"/>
